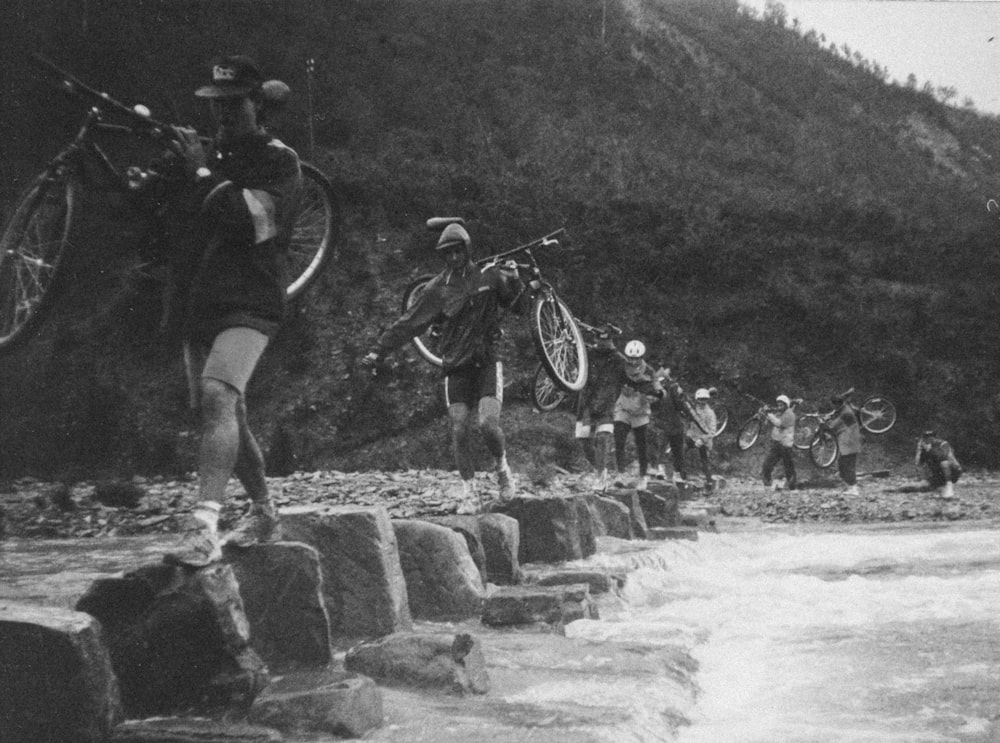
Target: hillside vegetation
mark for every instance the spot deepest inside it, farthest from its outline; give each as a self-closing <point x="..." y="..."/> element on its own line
<point x="750" y="203"/>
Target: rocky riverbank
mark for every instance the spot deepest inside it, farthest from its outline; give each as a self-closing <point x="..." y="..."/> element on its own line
<point x="34" y="508"/>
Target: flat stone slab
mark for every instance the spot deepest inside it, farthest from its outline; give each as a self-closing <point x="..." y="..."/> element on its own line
<point x="673" y="532"/>
<point x="347" y="705"/>
<point x="192" y="730"/>
<point x="453" y="663"/>
<point x="551" y="605"/>
<point x="599" y="581"/>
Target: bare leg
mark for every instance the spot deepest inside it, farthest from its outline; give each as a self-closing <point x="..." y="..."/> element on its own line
<point x="489" y="426"/>
<point x="250" y="468"/>
<point x="458" y="413"/>
<point x="220" y="438"/>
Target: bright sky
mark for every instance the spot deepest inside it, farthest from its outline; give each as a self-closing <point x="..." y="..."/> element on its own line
<point x="947" y="43"/>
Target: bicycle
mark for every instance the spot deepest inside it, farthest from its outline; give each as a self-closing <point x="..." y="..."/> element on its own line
<point x="557" y="336"/>
<point x="546" y="395"/>
<point x="37" y="238"/>
<point x="876" y="415"/>
<point x="750" y="430"/>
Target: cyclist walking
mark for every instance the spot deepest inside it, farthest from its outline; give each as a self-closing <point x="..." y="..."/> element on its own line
<point x="844" y="425"/>
<point x="248" y="184"/>
<point x="466" y="301"/>
<point x="701" y="433"/>
<point x="639" y="383"/>
<point x="782" y="420"/>
<point x="596" y="405"/>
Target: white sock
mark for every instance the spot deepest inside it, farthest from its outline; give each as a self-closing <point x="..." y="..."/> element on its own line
<point x="208" y="512"/>
<point x="502" y="462"/>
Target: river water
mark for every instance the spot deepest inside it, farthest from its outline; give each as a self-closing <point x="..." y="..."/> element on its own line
<point x="849" y="635"/>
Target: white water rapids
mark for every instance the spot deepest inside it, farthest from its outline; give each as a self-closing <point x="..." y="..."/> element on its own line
<point x="846" y="635"/>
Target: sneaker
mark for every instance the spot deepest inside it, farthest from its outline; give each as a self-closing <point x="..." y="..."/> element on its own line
<point x="601" y="485"/>
<point x="259" y="525"/>
<point x="853" y="490"/>
<point x="948" y="491"/>
<point x="470" y="504"/>
<point x="661" y="473"/>
<point x="197" y="547"/>
<point x="642" y="483"/>
<point x="620" y="481"/>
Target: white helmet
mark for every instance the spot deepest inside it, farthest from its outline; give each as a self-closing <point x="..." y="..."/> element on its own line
<point x="635" y="349"/>
<point x="702" y="394"/>
<point x="785" y="399"/>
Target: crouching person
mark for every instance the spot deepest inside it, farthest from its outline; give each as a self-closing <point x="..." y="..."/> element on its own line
<point x="938" y="457"/>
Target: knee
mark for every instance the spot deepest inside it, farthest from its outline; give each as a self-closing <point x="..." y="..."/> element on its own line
<point x="218" y="400"/>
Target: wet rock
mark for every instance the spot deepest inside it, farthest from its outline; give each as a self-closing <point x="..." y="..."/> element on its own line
<point x="56" y="677"/>
<point x="637" y="518"/>
<point x="192" y="730"/>
<point x="343" y="704"/>
<point x="610" y="517"/>
<point x="282" y="591"/>
<point x="553" y="605"/>
<point x="598" y="581"/>
<point x="501" y="537"/>
<point x="118" y="494"/>
<point x="452" y="663"/>
<point x="363" y="584"/>
<point x="673" y="532"/>
<point x="178" y="639"/>
<point x="659" y="505"/>
<point x="551" y="529"/>
<point x="699" y="518"/>
<point x="442" y="581"/>
<point x="469" y="528"/>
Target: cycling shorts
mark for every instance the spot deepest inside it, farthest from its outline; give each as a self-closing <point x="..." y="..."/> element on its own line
<point x="467" y="385"/>
<point x="231" y="358"/>
<point x="633" y="409"/>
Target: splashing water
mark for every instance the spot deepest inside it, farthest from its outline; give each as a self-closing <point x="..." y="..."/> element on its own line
<point x="861" y="635"/>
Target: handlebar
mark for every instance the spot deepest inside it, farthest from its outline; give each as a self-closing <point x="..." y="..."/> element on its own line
<point x="73" y="85"/>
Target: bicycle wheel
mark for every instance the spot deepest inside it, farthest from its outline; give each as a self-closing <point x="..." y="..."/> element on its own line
<point x="721" y="418"/>
<point x="748" y="434"/>
<point x="315" y="233"/>
<point x="32" y="248"/>
<point x="559" y="342"/>
<point x="878" y="415"/>
<point x="427" y="343"/>
<point x="545" y="395"/>
<point x="806" y="427"/>
<point x="824" y="449"/>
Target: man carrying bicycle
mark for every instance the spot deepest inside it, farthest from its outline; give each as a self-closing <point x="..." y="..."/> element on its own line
<point x="248" y="184"/>
<point x="596" y="405"/>
<point x="782" y="420"/>
<point x="843" y="423"/>
<point x="466" y="302"/>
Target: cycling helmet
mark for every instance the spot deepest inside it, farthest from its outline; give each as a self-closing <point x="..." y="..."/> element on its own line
<point x="635" y="349"/>
<point x="702" y="394"/>
<point x="785" y="399"/>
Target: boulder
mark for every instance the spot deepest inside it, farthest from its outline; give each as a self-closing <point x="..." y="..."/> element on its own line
<point x="501" y="537"/>
<point x="699" y="518"/>
<point x="442" y="581"/>
<point x="192" y="730"/>
<point x="553" y="605"/>
<point x="637" y="518"/>
<point x="282" y="590"/>
<point x="334" y="702"/>
<point x="610" y="517"/>
<point x="178" y="639"/>
<point x="551" y="528"/>
<point x="469" y="528"/>
<point x="452" y="663"/>
<point x="56" y="677"/>
<point x="363" y="584"/>
<point x="659" y="505"/>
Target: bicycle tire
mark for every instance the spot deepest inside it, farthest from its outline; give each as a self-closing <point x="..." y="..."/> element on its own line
<point x="749" y="433"/>
<point x="545" y="394"/>
<point x="877" y="414"/>
<point x="806" y="428"/>
<point x="427" y="342"/>
<point x="32" y="248"/>
<point x="823" y="449"/>
<point x="559" y="342"/>
<point x="721" y="418"/>
<point x="315" y="232"/>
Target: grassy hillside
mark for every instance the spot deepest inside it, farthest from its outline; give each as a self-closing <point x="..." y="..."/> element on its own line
<point x="745" y="200"/>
